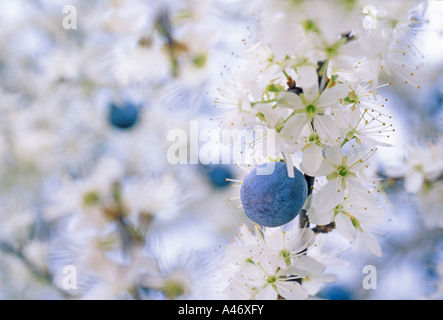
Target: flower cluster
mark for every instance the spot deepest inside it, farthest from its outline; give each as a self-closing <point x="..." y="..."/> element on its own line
<point x="269" y="264"/>
<point x="312" y="75"/>
<point x="421" y="171"/>
<point x="421" y="166"/>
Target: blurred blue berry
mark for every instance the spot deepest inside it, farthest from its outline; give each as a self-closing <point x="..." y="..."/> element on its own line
<point x="336" y="293"/>
<point x="123" y="116"/>
<point x="273" y="200"/>
<point x="218" y="175"/>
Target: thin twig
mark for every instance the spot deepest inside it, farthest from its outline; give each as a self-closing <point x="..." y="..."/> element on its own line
<point x="35" y="270"/>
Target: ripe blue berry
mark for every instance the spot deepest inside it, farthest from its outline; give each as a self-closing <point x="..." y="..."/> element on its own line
<point x="276" y="199"/>
<point x="124" y="115"/>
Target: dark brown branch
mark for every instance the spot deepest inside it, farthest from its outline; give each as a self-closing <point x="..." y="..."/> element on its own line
<point x="303" y="217"/>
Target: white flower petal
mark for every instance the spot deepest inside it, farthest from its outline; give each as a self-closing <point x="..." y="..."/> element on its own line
<point x="294" y="126"/>
<point x="327" y="129"/>
<point x="312" y="159"/>
<point x="368" y="215"/>
<point x="341" y="118"/>
<point x="332" y="95"/>
<point x="311" y="93"/>
<point x="320" y="217"/>
<point x="373" y="141"/>
<point x="299" y="239"/>
<point x="344" y="225"/>
<point x="308" y="201"/>
<point x="308" y="264"/>
<point x="334" y="154"/>
<point x="273" y="237"/>
<point x="290" y="100"/>
<point x="289" y="165"/>
<point x="354" y="116"/>
<point x="307" y="76"/>
<point x="291" y="290"/>
<point x="325" y="169"/>
<point x="329" y="196"/>
<point x="357" y="190"/>
<point x="267" y="293"/>
<point x="272" y="116"/>
<point x="413" y="181"/>
<point x="371" y="243"/>
<point x="314" y="285"/>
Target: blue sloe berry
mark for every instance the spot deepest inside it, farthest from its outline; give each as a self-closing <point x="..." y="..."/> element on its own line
<point x="124" y="115"/>
<point x="276" y="199"/>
